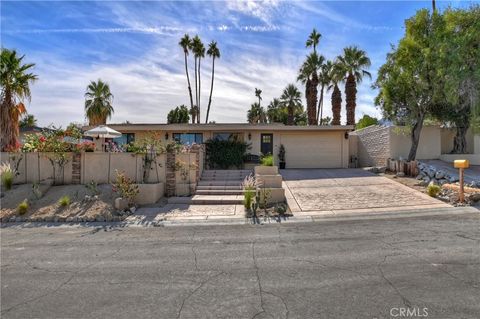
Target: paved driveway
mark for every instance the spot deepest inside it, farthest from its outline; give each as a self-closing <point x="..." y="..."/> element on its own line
<point x="310" y="190"/>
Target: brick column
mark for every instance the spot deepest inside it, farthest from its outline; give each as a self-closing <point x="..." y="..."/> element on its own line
<point x="76" y="168"/>
<point x="170" y="174"/>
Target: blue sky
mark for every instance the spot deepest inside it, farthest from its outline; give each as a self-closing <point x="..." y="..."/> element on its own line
<point x="133" y="45"/>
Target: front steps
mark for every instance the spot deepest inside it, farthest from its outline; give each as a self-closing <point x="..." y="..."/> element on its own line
<point x="216" y="187"/>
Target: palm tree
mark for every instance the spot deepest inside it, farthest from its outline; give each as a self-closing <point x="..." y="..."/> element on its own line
<point x="291" y="98"/>
<point x="186" y="44"/>
<point x="324" y="80"/>
<point x="313" y="40"/>
<point x="15" y="83"/>
<point x="335" y="76"/>
<point x="258" y="93"/>
<point x="354" y="63"/>
<point x="213" y="52"/>
<point x="308" y="75"/>
<point x="274" y="111"/>
<point x="199" y="51"/>
<point x="256" y="114"/>
<point x="98" y="102"/>
<point x="28" y="120"/>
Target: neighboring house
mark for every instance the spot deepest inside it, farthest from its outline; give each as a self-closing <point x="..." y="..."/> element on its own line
<point x="305" y="146"/>
<point x="373" y="145"/>
<point x="31" y="130"/>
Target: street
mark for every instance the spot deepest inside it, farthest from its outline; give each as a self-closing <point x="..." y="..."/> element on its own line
<point x="378" y="268"/>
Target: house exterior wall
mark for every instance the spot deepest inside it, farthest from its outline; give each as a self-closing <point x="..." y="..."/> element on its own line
<point x="429" y="146"/>
<point x="373" y="145"/>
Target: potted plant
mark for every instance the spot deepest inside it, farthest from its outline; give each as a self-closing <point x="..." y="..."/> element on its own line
<point x="281" y="156"/>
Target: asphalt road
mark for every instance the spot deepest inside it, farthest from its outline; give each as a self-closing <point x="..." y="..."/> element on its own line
<point x="347" y="269"/>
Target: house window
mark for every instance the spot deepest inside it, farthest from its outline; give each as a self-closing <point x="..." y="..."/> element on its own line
<point x="188" y="138"/>
<point x="266" y="138"/>
<point x="222" y="136"/>
<point x="126" y="138"/>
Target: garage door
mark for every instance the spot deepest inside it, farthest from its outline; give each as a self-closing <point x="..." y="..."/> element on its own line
<point x="315" y="150"/>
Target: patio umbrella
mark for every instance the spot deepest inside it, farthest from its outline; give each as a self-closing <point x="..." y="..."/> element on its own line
<point x="102" y="131"/>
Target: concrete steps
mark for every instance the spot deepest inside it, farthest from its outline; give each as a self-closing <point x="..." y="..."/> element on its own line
<point x="219" y="187"/>
<point x="219" y="192"/>
<point x="207" y="200"/>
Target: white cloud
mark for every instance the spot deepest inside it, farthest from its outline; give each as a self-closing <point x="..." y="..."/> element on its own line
<point x="263" y="10"/>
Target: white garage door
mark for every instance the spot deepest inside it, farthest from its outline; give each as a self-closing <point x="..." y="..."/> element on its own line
<point x="315" y="150"/>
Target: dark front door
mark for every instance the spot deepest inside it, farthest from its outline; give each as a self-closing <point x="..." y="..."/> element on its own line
<point x="266" y="146"/>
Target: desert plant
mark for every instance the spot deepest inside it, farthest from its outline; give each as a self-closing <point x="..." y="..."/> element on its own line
<point x="64" y="201"/>
<point x="281" y="208"/>
<point x="36" y="190"/>
<point x="281" y="153"/>
<point x="433" y="189"/>
<point x="267" y="160"/>
<point x="92" y="187"/>
<point x="249" y="185"/>
<point x="125" y="187"/>
<point x="7" y="175"/>
<point x="22" y="208"/>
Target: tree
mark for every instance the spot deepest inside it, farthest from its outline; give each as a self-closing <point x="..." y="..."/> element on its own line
<point x="98" y="102"/>
<point x="308" y="75"/>
<point x="366" y="121"/>
<point x="214" y="53"/>
<point x="324" y="80"/>
<point x="313" y="40"/>
<point x="198" y="50"/>
<point x="354" y="63"/>
<point x="258" y="94"/>
<point x="274" y="111"/>
<point x="327" y="120"/>
<point x="256" y="114"/>
<point x="180" y="114"/>
<point x="28" y="120"/>
<point x="336" y="74"/>
<point x="291" y="98"/>
<point x="15" y="82"/>
<point x="186" y="44"/>
<point x="405" y="82"/>
<point x="277" y="112"/>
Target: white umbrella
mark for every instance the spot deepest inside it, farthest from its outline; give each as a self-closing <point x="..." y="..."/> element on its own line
<point x="103" y="131"/>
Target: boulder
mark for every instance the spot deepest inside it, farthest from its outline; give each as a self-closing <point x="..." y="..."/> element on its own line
<point x="439" y="174"/>
<point x="400" y="174"/>
<point x="431" y="173"/>
<point x="420" y="176"/>
<point x="475" y="197"/>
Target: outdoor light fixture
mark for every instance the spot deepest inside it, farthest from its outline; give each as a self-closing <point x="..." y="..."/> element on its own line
<point x="346" y="135"/>
<point x="166" y="136"/>
<point x="249" y="136"/>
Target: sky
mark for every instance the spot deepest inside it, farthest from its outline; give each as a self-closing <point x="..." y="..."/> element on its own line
<point x="133" y="46"/>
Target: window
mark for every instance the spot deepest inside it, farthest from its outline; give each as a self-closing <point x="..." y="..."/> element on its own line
<point x="227" y="136"/>
<point x="126" y="138"/>
<point x="266" y="138"/>
<point x="188" y="138"/>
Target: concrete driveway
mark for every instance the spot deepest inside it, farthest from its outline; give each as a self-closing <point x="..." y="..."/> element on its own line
<point x="327" y="190"/>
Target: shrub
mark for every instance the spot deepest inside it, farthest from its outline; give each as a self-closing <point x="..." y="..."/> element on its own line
<point x="125" y="187"/>
<point x="433" y="189"/>
<point x="281" y="153"/>
<point x="267" y="160"/>
<point x="22" y="208"/>
<point x="7" y="176"/>
<point x="281" y="208"/>
<point x="249" y="186"/>
<point x="92" y="187"/>
<point x="64" y="201"/>
<point x="225" y="154"/>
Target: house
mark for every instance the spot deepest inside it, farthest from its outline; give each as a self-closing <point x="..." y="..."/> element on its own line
<point x="305" y="146"/>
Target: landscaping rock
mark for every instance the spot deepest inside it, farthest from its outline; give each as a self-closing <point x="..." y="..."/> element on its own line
<point x="439" y="174"/>
<point x="120" y="203"/>
<point x="400" y="174"/>
<point x="69" y="219"/>
<point x="100" y="219"/>
<point x="475" y="197"/>
<point x="420" y="176"/>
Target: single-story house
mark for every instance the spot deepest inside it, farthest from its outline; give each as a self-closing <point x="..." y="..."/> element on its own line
<point x="305" y="146"/>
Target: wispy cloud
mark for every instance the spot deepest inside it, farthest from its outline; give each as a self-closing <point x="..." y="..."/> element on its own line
<point x="153" y="30"/>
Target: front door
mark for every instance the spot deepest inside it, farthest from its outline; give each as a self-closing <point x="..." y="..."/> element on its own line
<point x="266" y="146"/>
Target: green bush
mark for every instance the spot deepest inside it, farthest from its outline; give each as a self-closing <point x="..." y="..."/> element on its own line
<point x="7" y="179"/>
<point x="433" y="190"/>
<point x="22" y="208"/>
<point x="225" y="154"/>
<point x="267" y="160"/>
<point x="64" y="201"/>
<point x="281" y="153"/>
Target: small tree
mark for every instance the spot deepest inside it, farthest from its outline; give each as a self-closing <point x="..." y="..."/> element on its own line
<point x="180" y="114"/>
<point x="366" y="121"/>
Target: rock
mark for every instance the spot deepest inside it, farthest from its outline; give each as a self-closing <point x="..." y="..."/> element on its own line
<point x="400" y="174"/>
<point x="69" y="219"/>
<point x="108" y="218"/>
<point x="100" y="219"/>
<point x="48" y="219"/>
<point x="95" y="197"/>
<point x="453" y="179"/>
<point x="475" y="197"/>
<point x="19" y="219"/>
<point x="120" y="203"/>
<point x="133" y="209"/>
<point x="443" y="181"/>
<point x="420" y="176"/>
<point x="439" y="174"/>
<point x="431" y="173"/>
<point x="426" y="179"/>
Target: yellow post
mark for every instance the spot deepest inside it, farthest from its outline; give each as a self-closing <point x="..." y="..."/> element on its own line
<point x="461" y="165"/>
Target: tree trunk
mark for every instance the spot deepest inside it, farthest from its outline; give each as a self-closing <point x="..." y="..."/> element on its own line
<point x="320" y="106"/>
<point x="196" y="93"/>
<point x="415" y="137"/>
<point x="211" y="90"/>
<point x="336" y="105"/>
<point x="350" y="95"/>
<point x="9" y="133"/>
<point x="199" y="92"/>
<point x="188" y="81"/>
<point x="460" y="141"/>
<point x="308" y="94"/>
<point x="290" y="115"/>
<point x="312" y="116"/>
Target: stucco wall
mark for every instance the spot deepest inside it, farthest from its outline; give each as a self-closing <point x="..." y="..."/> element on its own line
<point x="429" y="146"/>
<point x="447" y="136"/>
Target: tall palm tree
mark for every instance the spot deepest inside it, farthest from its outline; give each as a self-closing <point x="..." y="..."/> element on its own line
<point x="291" y="98"/>
<point x="324" y="81"/>
<point x="258" y="93"/>
<point x="98" y="102"/>
<point x="199" y="51"/>
<point x="256" y="114"/>
<point x="186" y="44"/>
<point x="15" y="82"/>
<point x="274" y="110"/>
<point x="335" y="76"/>
<point x="354" y="63"/>
<point x="308" y="75"/>
<point x="214" y="53"/>
<point x="313" y="40"/>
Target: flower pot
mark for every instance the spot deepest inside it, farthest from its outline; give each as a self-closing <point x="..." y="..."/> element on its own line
<point x="282" y="165"/>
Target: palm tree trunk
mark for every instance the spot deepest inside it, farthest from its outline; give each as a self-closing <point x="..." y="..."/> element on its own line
<point x="350" y="95"/>
<point x="196" y="93"/>
<point x="9" y="133"/>
<point x="290" y="115"/>
<point x="336" y="105"/>
<point x="188" y="81"/>
<point x="320" y="106"/>
<point x="312" y="116"/>
<point x="211" y="90"/>
<point x="199" y="91"/>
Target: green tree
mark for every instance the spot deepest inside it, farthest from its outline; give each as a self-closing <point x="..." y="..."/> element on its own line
<point x="366" y="121"/>
<point x="186" y="44"/>
<point x="258" y="94"/>
<point x="15" y="82"/>
<point x="335" y="77"/>
<point x="308" y="75"/>
<point x="354" y="63"/>
<point x="291" y="98"/>
<point x="327" y="120"/>
<point x="256" y="114"/>
<point x="313" y="40"/>
<point x="214" y="53"/>
<point x="98" y="102"/>
<point x="180" y="114"/>
<point x="28" y="120"/>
